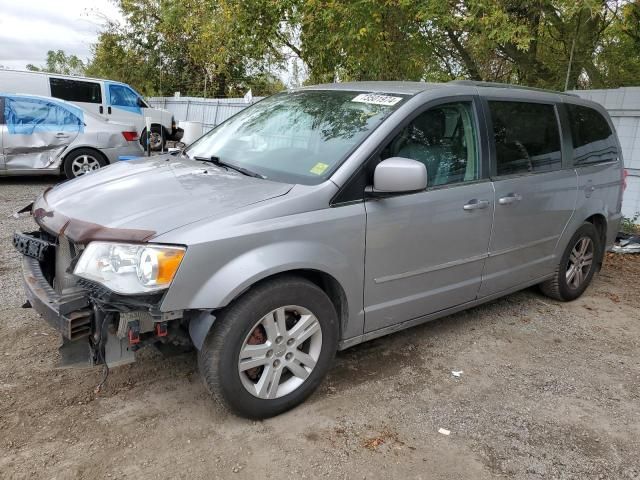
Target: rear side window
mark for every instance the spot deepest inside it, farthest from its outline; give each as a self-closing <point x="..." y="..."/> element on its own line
<point x="1" y="110"/>
<point x="593" y="140"/>
<point x="527" y="137"/>
<point x="75" y="90"/>
<point x="25" y="116"/>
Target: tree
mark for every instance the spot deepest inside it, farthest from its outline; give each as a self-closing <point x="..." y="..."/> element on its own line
<point x="224" y="47"/>
<point x="189" y="46"/>
<point x="59" y="62"/>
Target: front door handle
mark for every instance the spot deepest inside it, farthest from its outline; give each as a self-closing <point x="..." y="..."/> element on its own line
<point x="509" y="199"/>
<point x="101" y="109"/>
<point x="61" y="135"/>
<point x="476" y="204"/>
<point x="109" y="110"/>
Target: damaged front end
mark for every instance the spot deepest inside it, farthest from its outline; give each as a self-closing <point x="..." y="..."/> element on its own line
<point x="97" y="324"/>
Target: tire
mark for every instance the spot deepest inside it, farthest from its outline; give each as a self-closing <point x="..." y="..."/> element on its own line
<point x="158" y="138"/>
<point x="83" y="160"/>
<point x="239" y="385"/>
<point x="565" y="284"/>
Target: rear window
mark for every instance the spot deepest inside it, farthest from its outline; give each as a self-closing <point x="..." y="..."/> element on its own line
<point x="593" y="139"/>
<point x="527" y="137"/>
<point x="75" y="90"/>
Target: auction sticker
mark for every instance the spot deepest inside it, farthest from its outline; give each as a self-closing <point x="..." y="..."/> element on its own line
<point x="376" y="99"/>
<point x="319" y="168"/>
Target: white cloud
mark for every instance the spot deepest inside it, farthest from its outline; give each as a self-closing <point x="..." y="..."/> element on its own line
<point x="30" y="29"/>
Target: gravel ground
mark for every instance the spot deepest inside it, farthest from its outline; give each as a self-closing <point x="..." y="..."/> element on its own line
<point x="548" y="390"/>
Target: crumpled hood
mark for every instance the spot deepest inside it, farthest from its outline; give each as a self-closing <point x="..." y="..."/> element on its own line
<point x="153" y="195"/>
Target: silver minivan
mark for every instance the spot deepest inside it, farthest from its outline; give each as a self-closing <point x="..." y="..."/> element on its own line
<point x="323" y="217"/>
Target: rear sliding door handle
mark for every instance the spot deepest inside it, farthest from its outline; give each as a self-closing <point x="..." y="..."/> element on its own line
<point x="509" y="199"/>
<point x="476" y="204"/>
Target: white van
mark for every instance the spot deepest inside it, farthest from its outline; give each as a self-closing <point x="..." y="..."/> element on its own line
<point x="112" y="100"/>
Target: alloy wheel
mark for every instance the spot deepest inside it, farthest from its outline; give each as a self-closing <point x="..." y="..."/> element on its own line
<point x="580" y="262"/>
<point x="83" y="164"/>
<point x="280" y="352"/>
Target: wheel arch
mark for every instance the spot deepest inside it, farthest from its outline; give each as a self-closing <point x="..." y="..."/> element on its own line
<point x="599" y="221"/>
<point x="325" y="281"/>
<point x="201" y="323"/>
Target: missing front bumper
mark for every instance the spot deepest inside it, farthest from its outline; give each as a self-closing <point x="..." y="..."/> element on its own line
<point x="73" y="316"/>
<point x="70" y="314"/>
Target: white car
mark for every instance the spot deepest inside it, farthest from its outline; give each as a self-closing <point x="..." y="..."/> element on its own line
<point x="40" y="135"/>
<point x="110" y="100"/>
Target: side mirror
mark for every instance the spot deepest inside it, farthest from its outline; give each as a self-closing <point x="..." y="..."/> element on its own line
<point x="398" y="175"/>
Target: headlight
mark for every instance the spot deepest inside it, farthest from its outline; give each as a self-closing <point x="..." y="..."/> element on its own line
<point x="128" y="268"/>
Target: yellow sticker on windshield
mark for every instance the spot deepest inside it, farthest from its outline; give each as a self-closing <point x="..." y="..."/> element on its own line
<point x="319" y="168"/>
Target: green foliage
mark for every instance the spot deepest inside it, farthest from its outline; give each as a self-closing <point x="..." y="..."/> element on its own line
<point x="630" y="224"/>
<point x="60" y="62"/>
<point x="195" y="47"/>
<point x="224" y="47"/>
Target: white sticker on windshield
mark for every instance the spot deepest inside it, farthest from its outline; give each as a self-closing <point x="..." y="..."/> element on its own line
<point x="376" y="99"/>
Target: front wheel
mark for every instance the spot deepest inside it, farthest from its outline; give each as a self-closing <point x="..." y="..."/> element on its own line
<point x="156" y="140"/>
<point x="577" y="265"/>
<point x="270" y="349"/>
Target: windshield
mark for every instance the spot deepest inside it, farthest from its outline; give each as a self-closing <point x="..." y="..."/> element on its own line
<point x="296" y="137"/>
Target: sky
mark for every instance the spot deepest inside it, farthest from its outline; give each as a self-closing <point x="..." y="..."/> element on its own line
<point x="29" y="28"/>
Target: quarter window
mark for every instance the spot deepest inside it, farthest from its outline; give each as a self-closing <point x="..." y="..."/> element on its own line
<point x="593" y="140"/>
<point x="526" y="136"/>
<point x="75" y="90"/>
<point x="444" y="139"/>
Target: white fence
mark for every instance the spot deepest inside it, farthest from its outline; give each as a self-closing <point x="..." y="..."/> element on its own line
<point x="207" y="111"/>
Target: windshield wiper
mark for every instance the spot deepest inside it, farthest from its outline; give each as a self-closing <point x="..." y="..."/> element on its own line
<point x="216" y="161"/>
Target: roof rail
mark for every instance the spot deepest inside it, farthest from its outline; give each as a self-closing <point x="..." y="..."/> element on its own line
<point x="474" y="83"/>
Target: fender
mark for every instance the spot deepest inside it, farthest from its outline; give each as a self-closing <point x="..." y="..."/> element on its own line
<point x="238" y="274"/>
<point x="235" y="276"/>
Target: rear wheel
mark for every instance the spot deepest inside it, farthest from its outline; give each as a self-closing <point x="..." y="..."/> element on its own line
<point x="81" y="161"/>
<point x="577" y="265"/>
<point x="271" y="349"/>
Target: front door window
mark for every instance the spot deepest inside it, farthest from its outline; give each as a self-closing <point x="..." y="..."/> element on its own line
<point x="123" y="97"/>
<point x="444" y="139"/>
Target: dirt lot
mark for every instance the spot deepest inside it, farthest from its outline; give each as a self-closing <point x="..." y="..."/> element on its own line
<point x="548" y="390"/>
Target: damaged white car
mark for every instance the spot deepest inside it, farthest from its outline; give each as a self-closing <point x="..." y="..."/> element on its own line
<point x="41" y="135"/>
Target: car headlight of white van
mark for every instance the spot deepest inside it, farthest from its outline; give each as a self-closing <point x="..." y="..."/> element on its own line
<point x="130" y="268"/>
